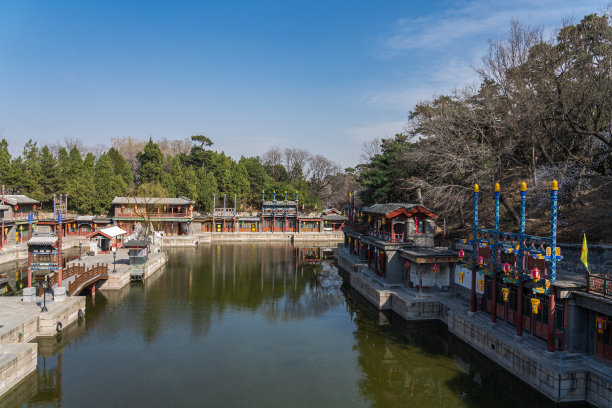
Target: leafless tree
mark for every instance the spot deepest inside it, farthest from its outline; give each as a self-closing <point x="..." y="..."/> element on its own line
<point x="296" y="161"/>
<point x="320" y="169"/>
<point x="370" y="149"/>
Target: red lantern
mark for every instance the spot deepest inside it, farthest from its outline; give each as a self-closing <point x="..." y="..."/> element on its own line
<point x="601" y="325"/>
<point x="461" y="253"/>
<point x="535" y="274"/>
<point x="535" y="306"/>
<point x="164" y="208"/>
<point x="34" y="207"/>
<point x="461" y="276"/>
<point x="506" y="268"/>
<point x="480" y="260"/>
<point x="179" y="208"/>
<point x="407" y="264"/>
<point x="435" y="268"/>
<point x="505" y="293"/>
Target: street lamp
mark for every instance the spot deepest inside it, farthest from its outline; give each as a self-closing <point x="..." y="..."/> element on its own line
<point x="114" y="249"/>
<point x="44" y="308"/>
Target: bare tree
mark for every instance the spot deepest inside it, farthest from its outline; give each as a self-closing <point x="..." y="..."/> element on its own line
<point x="296" y="161"/>
<point x="370" y="149"/>
<point x="320" y="169"/>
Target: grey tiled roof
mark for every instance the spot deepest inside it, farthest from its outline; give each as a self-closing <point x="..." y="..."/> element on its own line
<point x="333" y="217"/>
<point x="14" y="199"/>
<point x="43" y="239"/>
<point x="383" y="209"/>
<point x="152" y="200"/>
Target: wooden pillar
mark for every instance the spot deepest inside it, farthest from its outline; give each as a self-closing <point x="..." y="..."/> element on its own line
<point x="519" y="309"/>
<point x="551" y="320"/>
<point x="494" y="298"/>
<point x="420" y="279"/>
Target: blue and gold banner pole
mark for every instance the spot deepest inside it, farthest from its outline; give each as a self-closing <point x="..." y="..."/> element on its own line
<point x="494" y="271"/>
<point x="520" y="263"/>
<point x="554" y="190"/>
<point x="475" y="251"/>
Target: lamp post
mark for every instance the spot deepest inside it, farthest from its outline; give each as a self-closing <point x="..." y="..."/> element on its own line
<point x="80" y="247"/>
<point x="114" y="249"/>
<point x="44" y="307"/>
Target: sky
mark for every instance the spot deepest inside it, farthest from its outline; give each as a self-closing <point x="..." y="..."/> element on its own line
<point x="326" y="76"/>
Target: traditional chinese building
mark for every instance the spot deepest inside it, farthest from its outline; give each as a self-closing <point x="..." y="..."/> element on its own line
<point x="20" y="213"/>
<point x="333" y="219"/>
<point x="397" y="241"/>
<point x="171" y="216"/>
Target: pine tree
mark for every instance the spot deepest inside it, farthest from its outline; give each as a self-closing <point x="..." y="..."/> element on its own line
<point x="121" y="166"/>
<point x="207" y="186"/>
<point x="51" y="176"/>
<point x="107" y="183"/>
<point x="5" y="163"/>
<point x="151" y="162"/>
<point x="32" y="171"/>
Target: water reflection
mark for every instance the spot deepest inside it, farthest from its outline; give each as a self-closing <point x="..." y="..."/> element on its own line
<point x="255" y="325"/>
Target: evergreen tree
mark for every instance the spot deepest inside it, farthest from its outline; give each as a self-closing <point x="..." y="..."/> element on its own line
<point x="107" y="183"/>
<point x="32" y="171"/>
<point x="50" y="181"/>
<point x="151" y="162"/>
<point x="207" y="186"/>
<point x="5" y="163"/>
<point x="121" y="166"/>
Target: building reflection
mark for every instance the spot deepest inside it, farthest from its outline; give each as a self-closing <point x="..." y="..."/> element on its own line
<point x="422" y="364"/>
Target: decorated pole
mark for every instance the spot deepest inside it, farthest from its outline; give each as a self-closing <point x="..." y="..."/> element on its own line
<point x="475" y="250"/>
<point x="520" y="259"/>
<point x="297" y="212"/>
<point x="494" y="272"/>
<point x="554" y="190"/>
<point x="59" y="251"/>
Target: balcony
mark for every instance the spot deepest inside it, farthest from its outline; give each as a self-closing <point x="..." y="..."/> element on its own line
<point x="387" y="236"/>
<point x="599" y="285"/>
<point x="152" y="215"/>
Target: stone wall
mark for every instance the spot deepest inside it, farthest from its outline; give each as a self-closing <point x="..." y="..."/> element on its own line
<point x="599" y="389"/>
<point x="548" y="379"/>
<point x="379" y="298"/>
<point x="16" y="362"/>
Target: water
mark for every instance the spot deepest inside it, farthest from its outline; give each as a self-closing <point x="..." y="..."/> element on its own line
<point x="255" y="325"/>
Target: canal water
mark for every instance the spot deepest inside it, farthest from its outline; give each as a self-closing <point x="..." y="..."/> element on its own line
<point x="266" y="325"/>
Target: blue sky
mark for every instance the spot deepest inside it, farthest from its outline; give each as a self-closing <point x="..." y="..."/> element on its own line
<point x="320" y="75"/>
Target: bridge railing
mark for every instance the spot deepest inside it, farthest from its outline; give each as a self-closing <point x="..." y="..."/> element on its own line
<point x="96" y="272"/>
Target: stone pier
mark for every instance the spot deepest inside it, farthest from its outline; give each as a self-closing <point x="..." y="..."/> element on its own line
<point x="561" y="376"/>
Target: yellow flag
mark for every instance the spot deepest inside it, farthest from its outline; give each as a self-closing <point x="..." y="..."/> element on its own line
<point x="585" y="253"/>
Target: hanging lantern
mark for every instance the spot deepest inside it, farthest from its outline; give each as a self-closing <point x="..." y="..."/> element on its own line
<point x="435" y="268"/>
<point x="16" y="207"/>
<point x="384" y="220"/>
<point x="480" y="261"/>
<point x="121" y="223"/>
<point x="122" y="207"/>
<point x="535" y="306"/>
<point x="535" y="274"/>
<point x="369" y="218"/>
<point x="461" y="276"/>
<point x="134" y="224"/>
<point x="547" y="283"/>
<point x="600" y="322"/>
<point x="480" y="284"/>
<point x="179" y="208"/>
<point x="461" y="253"/>
<point x="506" y="268"/>
<point x="135" y="208"/>
<point x="95" y="226"/>
<point x="6" y="231"/>
<point x="407" y="264"/>
<point x="164" y="208"/>
<point x="34" y="207"/>
<point x="505" y="293"/>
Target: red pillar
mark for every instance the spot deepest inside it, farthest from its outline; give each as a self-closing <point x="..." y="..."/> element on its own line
<point x="519" y="310"/>
<point x="473" y="291"/>
<point x="29" y="277"/>
<point x="494" y="299"/>
<point x="551" y="320"/>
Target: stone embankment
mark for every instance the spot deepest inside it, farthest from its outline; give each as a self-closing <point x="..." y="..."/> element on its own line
<point x="193" y="240"/>
<point x="22" y="322"/>
<point x="561" y="376"/>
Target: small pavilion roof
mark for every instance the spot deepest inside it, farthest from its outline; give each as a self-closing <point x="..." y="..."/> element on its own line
<point x="43" y="239"/>
<point x="109" y="233"/>
<point x="14" y="199"/>
<point x="136" y="243"/>
<point x="393" y="209"/>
